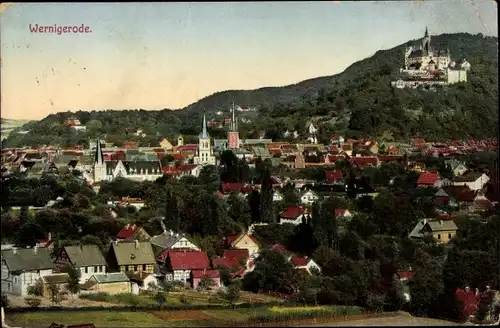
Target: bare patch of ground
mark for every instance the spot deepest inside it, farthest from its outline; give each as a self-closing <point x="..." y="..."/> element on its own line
<point x="18" y="301"/>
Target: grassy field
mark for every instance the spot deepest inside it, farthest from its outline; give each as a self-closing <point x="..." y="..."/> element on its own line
<point x="187" y="318"/>
<point x="148" y="300"/>
<point x="98" y="318"/>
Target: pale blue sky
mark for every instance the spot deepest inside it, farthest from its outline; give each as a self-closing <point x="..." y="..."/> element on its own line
<point x="168" y="55"/>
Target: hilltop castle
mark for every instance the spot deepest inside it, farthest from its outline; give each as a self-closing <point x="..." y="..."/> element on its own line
<point x="427" y="65"/>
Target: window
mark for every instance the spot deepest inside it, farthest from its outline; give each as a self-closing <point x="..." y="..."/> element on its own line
<point x="86" y="269"/>
<point x="439" y="236"/>
<point x="449" y="236"/>
<point x="126" y="268"/>
<point x="144" y="267"/>
<point x="135" y="268"/>
<point x="100" y="269"/>
<point x="96" y="268"/>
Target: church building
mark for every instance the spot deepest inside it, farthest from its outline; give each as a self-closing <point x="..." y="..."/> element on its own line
<point x="140" y="170"/>
<point x="205" y="153"/>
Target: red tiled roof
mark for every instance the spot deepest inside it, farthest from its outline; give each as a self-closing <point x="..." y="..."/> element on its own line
<point x="390" y="158"/>
<point x="418" y="141"/>
<point x="333" y="175"/>
<point x="226" y="262"/>
<point x="445" y="217"/>
<point x="185" y="260"/>
<point x="187" y="148"/>
<point x="404" y="274"/>
<point x="240" y="254"/>
<point x="198" y="274"/>
<point x="179" y="169"/>
<point x="232" y="187"/>
<point x="364" y="160"/>
<point x="428" y="178"/>
<point x="292" y="212"/>
<point x="178" y="157"/>
<point x="340" y="211"/>
<point x="300" y="260"/>
<point x="127" y="232"/>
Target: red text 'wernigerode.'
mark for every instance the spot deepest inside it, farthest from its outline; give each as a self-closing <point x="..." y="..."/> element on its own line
<point x="60" y="29"/>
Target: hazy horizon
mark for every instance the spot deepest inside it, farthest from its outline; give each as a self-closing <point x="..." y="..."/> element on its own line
<point x="169" y="55"/>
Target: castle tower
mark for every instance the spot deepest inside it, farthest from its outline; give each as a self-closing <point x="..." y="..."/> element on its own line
<point x="99" y="164"/>
<point x="426" y="43"/>
<point x="233" y="136"/>
<point x="205" y="154"/>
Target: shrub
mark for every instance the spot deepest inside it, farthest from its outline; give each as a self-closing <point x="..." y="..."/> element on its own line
<point x="293" y="313"/>
<point x="33" y="302"/>
<point x="97" y="297"/>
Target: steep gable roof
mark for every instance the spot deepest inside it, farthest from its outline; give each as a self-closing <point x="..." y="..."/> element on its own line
<point x="25" y="259"/>
<point x="185" y="260"/>
<point x="239" y="254"/>
<point x="428" y="178"/>
<point x="133" y="252"/>
<point x="292" y="212"/>
<point x="85" y="255"/>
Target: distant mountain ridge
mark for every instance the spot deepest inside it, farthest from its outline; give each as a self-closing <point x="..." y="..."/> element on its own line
<point x="356" y="102"/>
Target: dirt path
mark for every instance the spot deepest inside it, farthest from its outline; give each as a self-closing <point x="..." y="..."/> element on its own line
<point x="403" y="319"/>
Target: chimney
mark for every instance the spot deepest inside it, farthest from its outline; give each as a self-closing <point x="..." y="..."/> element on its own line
<point x="35" y="249"/>
<point x="49" y="237"/>
<point x="136" y="244"/>
<point x="127" y="226"/>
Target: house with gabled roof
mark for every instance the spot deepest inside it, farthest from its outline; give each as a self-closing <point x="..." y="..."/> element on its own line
<point x="429" y="179"/>
<point x="243" y="241"/>
<point x="131" y="256"/>
<point x="178" y="264"/>
<point x="133" y="232"/>
<point x="304" y="262"/>
<point x="293" y="214"/>
<point x="334" y="176"/>
<point x="457" y="167"/>
<point x="111" y="283"/>
<point x="170" y="240"/>
<point x="88" y="259"/>
<point x="309" y="197"/>
<point x="443" y="231"/>
<point x="473" y="180"/>
<point x="23" y="267"/>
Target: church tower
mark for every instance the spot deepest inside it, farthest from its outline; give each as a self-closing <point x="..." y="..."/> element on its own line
<point x="205" y="154"/>
<point x="426" y="43"/>
<point x="233" y="136"/>
<point x="99" y="164"/>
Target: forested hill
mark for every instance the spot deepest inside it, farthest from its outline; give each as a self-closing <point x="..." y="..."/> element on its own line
<point x="358" y="102"/>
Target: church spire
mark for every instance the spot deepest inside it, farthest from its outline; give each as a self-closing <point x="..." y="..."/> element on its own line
<point x="233" y="119"/>
<point x="426" y="32"/>
<point x="99" y="157"/>
<point x="204" y="133"/>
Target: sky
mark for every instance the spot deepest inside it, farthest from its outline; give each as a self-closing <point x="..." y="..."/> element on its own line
<point x="169" y="55"/>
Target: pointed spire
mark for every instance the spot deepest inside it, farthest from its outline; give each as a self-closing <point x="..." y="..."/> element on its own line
<point x="426" y="32"/>
<point x="204" y="133"/>
<point x="233" y="119"/>
<point x="99" y="157"/>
